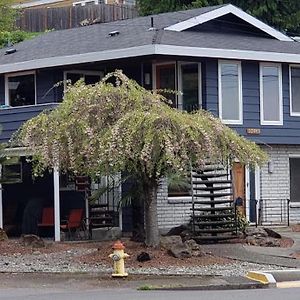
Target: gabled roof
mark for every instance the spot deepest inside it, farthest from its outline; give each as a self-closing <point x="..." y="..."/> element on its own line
<point x="224" y="10"/>
<point x="93" y="43"/>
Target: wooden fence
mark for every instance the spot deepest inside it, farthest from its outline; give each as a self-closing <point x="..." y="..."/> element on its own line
<point x="41" y="19"/>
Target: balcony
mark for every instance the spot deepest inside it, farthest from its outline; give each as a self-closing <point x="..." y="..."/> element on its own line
<point x="11" y="118"/>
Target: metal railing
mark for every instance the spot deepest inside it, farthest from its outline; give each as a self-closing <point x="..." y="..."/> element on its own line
<point x="273" y="211"/>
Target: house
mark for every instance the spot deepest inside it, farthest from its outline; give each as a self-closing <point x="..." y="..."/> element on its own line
<point x="220" y="58"/>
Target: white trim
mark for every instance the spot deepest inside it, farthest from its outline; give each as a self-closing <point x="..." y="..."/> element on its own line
<point x="150" y="50"/>
<point x="262" y="121"/>
<point x="180" y="95"/>
<point x="84" y="2"/>
<point x="26" y="106"/>
<point x="56" y="205"/>
<point x="81" y="72"/>
<point x="238" y="63"/>
<point x="293" y="114"/>
<point x="247" y="192"/>
<point x="16" y="75"/>
<point x="257" y="190"/>
<point x="224" y="10"/>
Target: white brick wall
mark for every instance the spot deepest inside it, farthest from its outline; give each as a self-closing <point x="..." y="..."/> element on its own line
<point x="170" y="212"/>
<point x="276" y="185"/>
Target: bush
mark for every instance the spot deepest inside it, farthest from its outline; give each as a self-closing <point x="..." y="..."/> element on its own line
<point x="14" y="37"/>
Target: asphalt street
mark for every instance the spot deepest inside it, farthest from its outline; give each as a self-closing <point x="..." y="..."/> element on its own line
<point x="131" y="294"/>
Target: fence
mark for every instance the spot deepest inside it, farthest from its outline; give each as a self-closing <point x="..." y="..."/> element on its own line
<point x="274" y="211"/>
<point x="41" y="19"/>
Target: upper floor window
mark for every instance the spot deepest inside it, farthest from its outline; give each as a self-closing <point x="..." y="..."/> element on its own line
<point x="184" y="77"/>
<point x="295" y="90"/>
<point x="230" y="92"/>
<point x="20" y="89"/>
<point x="89" y="77"/>
<point x="189" y="82"/>
<point x="271" y="112"/>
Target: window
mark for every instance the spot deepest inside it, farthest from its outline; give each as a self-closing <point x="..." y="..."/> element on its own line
<point x="86" y="2"/>
<point x="89" y="77"/>
<point x="294" y="179"/>
<point x="230" y="92"/>
<point x="20" y="89"/>
<point x="189" y="84"/>
<point x="189" y="81"/>
<point x="295" y="90"/>
<point x="271" y="94"/>
<point x="179" y="185"/>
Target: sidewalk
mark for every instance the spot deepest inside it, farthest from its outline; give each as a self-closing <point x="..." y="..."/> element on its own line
<point x="282" y="257"/>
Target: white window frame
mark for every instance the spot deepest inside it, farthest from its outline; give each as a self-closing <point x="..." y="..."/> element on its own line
<point x="81" y="72"/>
<point x="262" y="121"/>
<point x="7" y="76"/>
<point x="84" y="2"/>
<point x="293" y="114"/>
<point x="180" y="95"/>
<point x="240" y="86"/>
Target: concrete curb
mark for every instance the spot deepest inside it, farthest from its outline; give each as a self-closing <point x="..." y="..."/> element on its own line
<point x="276" y="278"/>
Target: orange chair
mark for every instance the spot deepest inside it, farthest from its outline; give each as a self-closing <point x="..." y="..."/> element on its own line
<point x="74" y="222"/>
<point x="47" y="217"/>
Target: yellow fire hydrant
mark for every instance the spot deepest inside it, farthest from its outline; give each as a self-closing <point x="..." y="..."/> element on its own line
<point x="118" y="257"/>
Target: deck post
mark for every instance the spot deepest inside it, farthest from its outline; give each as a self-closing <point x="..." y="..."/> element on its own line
<point x="1" y="202"/>
<point x="56" y="205"/>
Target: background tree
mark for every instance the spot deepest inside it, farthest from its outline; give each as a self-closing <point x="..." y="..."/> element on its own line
<point x="7" y="16"/>
<point x="281" y="14"/>
<point x="106" y="128"/>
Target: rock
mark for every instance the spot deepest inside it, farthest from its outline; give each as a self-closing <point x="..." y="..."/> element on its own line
<point x="255" y="231"/>
<point x="177" y="230"/>
<point x="195" y="248"/>
<point x="272" y="233"/>
<point x="269" y="242"/>
<point x="192" y="244"/>
<point x="251" y="240"/>
<point x="3" y="235"/>
<point x="168" y="242"/>
<point x="31" y="240"/>
<point x="180" y="251"/>
<point x="143" y="256"/>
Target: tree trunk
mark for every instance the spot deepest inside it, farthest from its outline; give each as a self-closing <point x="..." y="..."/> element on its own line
<point x="151" y="222"/>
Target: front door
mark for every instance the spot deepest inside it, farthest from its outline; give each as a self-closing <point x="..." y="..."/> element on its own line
<point x="238" y="179"/>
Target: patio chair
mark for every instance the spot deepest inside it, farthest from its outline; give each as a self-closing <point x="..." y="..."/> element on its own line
<point x="74" y="223"/>
<point x="47" y="217"/>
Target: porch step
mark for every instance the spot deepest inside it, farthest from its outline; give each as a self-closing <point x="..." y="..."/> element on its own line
<point x="213" y="202"/>
<point x="212" y="188"/>
<point x="212" y="195"/>
<point x="214" y="223"/>
<point x="210" y="175"/>
<point x="211" y="181"/>
<point x="216" y="230"/>
<point x="222" y="216"/>
<point x="213" y="209"/>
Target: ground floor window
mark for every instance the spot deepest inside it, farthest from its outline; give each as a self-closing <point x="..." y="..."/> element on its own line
<point x="295" y="179"/>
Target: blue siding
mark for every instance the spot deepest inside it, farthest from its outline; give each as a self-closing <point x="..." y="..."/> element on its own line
<point x="12" y="118"/>
<point x="288" y="133"/>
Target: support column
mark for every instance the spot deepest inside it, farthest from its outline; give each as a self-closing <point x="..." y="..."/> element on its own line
<point x="56" y="205"/>
<point x="1" y="202"/>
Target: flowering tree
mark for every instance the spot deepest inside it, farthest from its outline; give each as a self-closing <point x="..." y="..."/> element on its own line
<point x="109" y="128"/>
